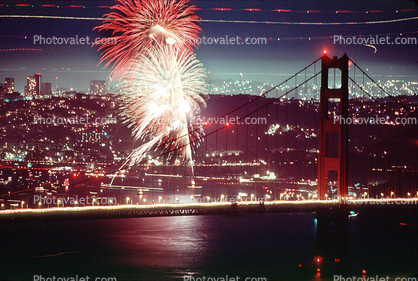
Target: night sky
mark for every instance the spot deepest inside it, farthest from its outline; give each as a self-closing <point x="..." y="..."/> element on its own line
<point x="299" y="44"/>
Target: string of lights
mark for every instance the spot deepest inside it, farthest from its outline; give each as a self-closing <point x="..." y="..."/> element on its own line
<point x="230" y="21"/>
<point x="20" y="49"/>
<point x="222" y="9"/>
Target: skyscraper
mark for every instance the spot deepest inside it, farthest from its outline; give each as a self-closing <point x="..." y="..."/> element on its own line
<point x="2" y="92"/>
<point x="30" y="86"/>
<point x="38" y="80"/>
<point x="46" y="89"/>
<point x="33" y="87"/>
<point x="98" y="87"/>
<point x="9" y="85"/>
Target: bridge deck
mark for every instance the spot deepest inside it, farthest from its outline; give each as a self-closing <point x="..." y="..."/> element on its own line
<point x="220" y="208"/>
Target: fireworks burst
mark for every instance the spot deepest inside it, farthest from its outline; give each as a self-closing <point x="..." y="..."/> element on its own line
<point x="163" y="100"/>
<point x="138" y="25"/>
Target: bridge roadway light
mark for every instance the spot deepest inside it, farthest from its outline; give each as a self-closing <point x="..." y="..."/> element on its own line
<point x="39" y="204"/>
<point x="392" y="194"/>
<point x="127" y="200"/>
<point x="409" y="195"/>
<point x="252" y="196"/>
<point x="160" y="199"/>
<point x="222" y="197"/>
<point x="22" y="204"/>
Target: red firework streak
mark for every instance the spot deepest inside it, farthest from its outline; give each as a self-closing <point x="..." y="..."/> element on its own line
<point x="137" y="25"/>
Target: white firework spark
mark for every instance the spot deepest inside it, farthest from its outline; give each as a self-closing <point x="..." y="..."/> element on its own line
<point x="163" y="99"/>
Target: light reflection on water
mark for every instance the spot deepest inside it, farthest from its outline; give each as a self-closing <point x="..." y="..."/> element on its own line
<point x="167" y="248"/>
<point x="167" y="242"/>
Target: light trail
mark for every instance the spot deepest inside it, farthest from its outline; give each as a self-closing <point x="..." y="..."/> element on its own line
<point x="224" y="9"/>
<point x="313" y="23"/>
<point x="227" y="21"/>
<point x="127" y="187"/>
<point x="19" y="49"/>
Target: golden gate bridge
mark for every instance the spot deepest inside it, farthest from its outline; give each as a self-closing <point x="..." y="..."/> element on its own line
<point x="169" y="191"/>
<point x="265" y="179"/>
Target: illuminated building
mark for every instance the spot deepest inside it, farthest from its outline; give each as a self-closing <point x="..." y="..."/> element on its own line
<point x="33" y="87"/>
<point x="9" y="85"/>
